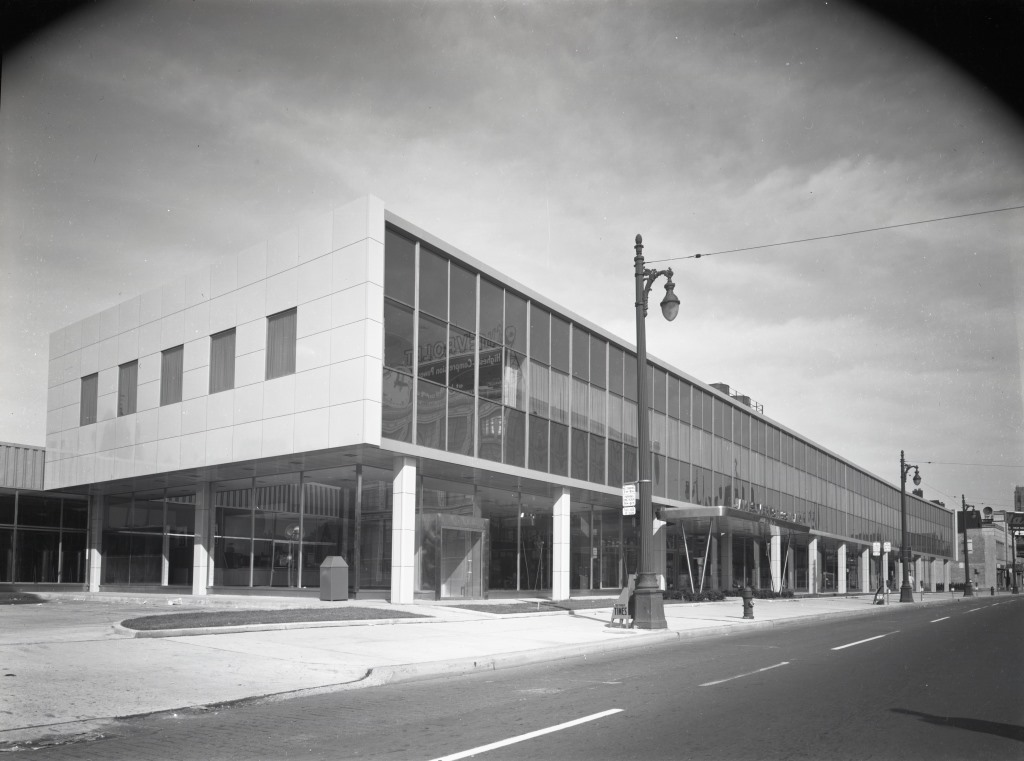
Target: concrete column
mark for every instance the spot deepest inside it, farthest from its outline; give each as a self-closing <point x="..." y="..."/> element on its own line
<point x="726" y="555"/>
<point x="714" y="553"/>
<point x="403" y="530"/>
<point x="918" y="571"/>
<point x="865" y="569"/>
<point x="841" y="569"/>
<point x="813" y="564"/>
<point x="776" y="550"/>
<point x="790" y="570"/>
<point x="561" y="556"/>
<point x="94" y="552"/>
<point x="756" y="571"/>
<point x="202" y="547"/>
<point x="885" y="571"/>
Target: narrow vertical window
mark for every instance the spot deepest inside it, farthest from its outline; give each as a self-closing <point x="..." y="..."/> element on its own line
<point x="222" y="361"/>
<point x="171" y="371"/>
<point x="87" y="407"/>
<point x="281" y="344"/>
<point x="127" y="387"/>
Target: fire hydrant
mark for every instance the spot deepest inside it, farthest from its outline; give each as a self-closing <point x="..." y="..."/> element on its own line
<point x="748" y="602"/>
<point x="992" y="591"/>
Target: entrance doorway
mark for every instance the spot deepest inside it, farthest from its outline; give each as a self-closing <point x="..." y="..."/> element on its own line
<point x="462" y="567"/>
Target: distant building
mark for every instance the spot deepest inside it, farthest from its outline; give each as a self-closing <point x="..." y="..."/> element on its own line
<point x="42" y="534"/>
<point x="359" y="388"/>
<point x="991" y="548"/>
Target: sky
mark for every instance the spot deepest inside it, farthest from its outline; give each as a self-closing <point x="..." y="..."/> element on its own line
<point x="142" y="140"/>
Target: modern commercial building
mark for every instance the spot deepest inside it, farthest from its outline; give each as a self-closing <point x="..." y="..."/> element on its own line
<point x="359" y="388"/>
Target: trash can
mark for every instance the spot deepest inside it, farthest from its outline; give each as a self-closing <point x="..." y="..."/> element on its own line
<point x="334" y="578"/>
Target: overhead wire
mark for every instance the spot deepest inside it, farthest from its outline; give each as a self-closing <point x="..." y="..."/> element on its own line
<point x="837" y="235"/>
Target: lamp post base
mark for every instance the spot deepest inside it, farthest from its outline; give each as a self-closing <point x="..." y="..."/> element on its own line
<point x="968" y="590"/>
<point x="906" y="593"/>
<point x="650" y="606"/>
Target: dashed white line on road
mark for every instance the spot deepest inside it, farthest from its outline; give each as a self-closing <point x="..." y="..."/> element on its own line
<point x="527" y="736"/>
<point x="939" y="619"/>
<point x="862" y="641"/>
<point x="749" y="673"/>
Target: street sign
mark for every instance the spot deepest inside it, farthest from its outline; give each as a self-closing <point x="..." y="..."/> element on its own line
<point x="887" y="547"/>
<point x="628" y="496"/>
<point x="876" y="548"/>
<point x="631" y="510"/>
<point x="1015" y="520"/>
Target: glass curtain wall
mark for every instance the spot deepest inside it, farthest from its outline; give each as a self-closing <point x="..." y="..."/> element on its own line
<point x="148" y="538"/>
<point x="42" y="539"/>
<point x="475" y="368"/>
<point x="602" y="548"/>
<point x="276" y="531"/>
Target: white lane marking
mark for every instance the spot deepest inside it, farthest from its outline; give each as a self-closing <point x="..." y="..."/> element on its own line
<point x="862" y="641"/>
<point x="939" y="619"/>
<point x="740" y="676"/>
<point x="527" y="736"/>
<point x="972" y="610"/>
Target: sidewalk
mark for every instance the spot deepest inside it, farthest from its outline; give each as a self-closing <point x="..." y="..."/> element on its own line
<point x="67" y="666"/>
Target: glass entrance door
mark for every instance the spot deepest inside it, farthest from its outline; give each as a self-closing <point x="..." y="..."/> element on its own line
<point x="461" y="563"/>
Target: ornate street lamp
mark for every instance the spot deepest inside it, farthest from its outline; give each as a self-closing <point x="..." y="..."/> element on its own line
<point x="906" y="592"/>
<point x="650" y="608"/>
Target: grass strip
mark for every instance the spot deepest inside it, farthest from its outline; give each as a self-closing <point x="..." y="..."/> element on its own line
<point x="20" y="598"/>
<point x="207" y="619"/>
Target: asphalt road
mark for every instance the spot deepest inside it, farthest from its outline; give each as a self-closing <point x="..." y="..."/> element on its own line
<point x="944" y="681"/>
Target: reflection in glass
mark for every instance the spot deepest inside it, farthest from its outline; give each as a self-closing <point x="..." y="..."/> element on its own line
<point x="538" y="389"/>
<point x="461" y="359"/>
<point x="460" y="423"/>
<point x="397" y="336"/>
<point x="433" y="349"/>
<point x="490" y="372"/>
<point x="396" y="413"/>
<point x="430" y="415"/>
<point x="514" y="378"/>
<point x="490" y="421"/>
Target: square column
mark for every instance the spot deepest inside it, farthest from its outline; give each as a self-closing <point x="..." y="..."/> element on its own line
<point x="726" y="556"/>
<point x="841" y="569"/>
<point x="94" y="552"/>
<point x="714" y="553"/>
<point x="918" y="570"/>
<point x="403" y="530"/>
<point x="560" y="553"/>
<point x="756" y="547"/>
<point x="865" y="570"/>
<point x="776" y="559"/>
<point x="813" y="564"/>
<point x="203" y="542"/>
<point x="790" y="570"/>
